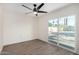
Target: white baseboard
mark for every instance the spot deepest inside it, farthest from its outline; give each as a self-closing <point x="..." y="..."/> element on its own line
<point x="15" y="42"/>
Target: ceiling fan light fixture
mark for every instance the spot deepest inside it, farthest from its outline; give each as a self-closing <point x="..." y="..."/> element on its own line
<point x="35" y="13"/>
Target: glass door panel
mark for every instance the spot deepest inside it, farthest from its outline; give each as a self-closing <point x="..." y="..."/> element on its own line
<point x="53" y="30"/>
<point x="67" y="32"/>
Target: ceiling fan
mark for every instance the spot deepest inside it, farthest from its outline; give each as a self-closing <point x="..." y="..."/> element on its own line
<point x="36" y="9"/>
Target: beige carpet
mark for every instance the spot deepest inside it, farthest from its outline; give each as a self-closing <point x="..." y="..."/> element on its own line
<point x="34" y="47"/>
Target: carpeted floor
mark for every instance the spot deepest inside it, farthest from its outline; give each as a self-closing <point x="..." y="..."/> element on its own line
<point x="34" y="47"/>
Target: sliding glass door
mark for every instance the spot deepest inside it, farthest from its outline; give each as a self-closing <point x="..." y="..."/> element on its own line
<point x="62" y="31"/>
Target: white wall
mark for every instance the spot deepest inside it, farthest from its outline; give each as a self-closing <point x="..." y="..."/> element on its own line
<point x="17" y="27"/>
<point x="1" y="28"/>
<point x="72" y="9"/>
<point x="35" y="28"/>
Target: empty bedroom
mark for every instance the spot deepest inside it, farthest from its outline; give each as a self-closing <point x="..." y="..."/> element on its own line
<point x="39" y="28"/>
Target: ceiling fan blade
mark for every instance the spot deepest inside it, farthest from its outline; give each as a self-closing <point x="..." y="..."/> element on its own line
<point x="40" y="6"/>
<point x="26" y="7"/>
<point x="28" y="12"/>
<point x="42" y="12"/>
